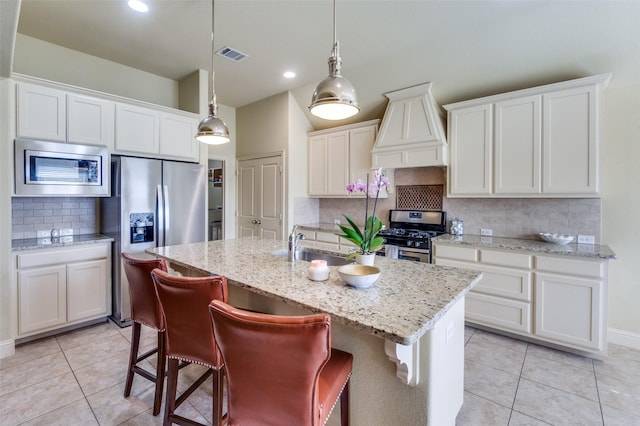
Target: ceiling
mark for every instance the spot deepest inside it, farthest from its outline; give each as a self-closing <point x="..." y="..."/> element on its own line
<point x="466" y="48"/>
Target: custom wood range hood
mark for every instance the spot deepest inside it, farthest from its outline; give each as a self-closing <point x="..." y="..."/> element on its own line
<point x="412" y="131"/>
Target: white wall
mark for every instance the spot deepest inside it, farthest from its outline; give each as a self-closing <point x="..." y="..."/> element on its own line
<point x="38" y="58"/>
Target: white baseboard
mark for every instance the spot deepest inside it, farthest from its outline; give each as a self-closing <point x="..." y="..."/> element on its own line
<point x="7" y="348"/>
<point x="624" y="338"/>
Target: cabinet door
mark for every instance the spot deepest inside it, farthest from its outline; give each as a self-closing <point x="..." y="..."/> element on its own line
<point x="87" y="290"/>
<point x="470" y="133"/>
<point x="91" y="120"/>
<point x="318" y="165"/>
<point x="570" y="147"/>
<point x="568" y="310"/>
<point x="42" y="113"/>
<point x="360" y="144"/>
<point x="338" y="163"/>
<point x="177" y="137"/>
<point x="137" y="129"/>
<point x="41" y="298"/>
<point x="517" y="146"/>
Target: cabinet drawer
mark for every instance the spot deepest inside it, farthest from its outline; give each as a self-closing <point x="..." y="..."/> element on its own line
<point x="508" y="315"/>
<point x="52" y="257"/>
<point x="500" y="258"/>
<point x="579" y="267"/>
<point x="327" y="237"/>
<point x="457" y="253"/>
<point x="504" y="282"/>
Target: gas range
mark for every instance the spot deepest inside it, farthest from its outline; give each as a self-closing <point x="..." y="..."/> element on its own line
<point x="411" y="232"/>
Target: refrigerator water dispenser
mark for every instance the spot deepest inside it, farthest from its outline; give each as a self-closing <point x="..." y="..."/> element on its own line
<point x="141" y="225"/>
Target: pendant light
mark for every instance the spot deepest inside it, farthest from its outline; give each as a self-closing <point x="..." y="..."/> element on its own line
<point x="335" y="97"/>
<point x="212" y="130"/>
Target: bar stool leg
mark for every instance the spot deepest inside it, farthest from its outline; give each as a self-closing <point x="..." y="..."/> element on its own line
<point x="172" y="388"/>
<point x="217" y="397"/>
<point x="133" y="357"/>
<point x="344" y="405"/>
<point x="160" y="367"/>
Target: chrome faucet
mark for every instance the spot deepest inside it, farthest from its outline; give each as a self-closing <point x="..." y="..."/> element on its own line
<point x="293" y="242"/>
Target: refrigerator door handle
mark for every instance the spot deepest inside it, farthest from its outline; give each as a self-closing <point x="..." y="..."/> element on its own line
<point x="161" y="219"/>
<point x="167" y="203"/>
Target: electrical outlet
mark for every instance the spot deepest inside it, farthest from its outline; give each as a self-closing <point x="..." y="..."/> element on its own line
<point x="486" y="232"/>
<point x="586" y="239"/>
<point x="43" y="234"/>
<point x="336" y="221"/>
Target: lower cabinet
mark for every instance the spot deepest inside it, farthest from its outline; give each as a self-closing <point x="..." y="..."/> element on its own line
<point x="63" y="286"/>
<point x="557" y="300"/>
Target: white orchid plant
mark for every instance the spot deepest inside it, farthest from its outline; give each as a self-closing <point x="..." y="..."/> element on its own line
<point x="367" y="240"/>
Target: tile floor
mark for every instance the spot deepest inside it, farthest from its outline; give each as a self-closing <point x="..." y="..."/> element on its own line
<point x="78" y="379"/>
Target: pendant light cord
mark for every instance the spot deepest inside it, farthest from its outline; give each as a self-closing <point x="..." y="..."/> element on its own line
<point x="213" y="105"/>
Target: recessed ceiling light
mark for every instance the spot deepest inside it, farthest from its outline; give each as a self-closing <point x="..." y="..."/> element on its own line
<point x="289" y="74"/>
<point x="138" y="6"/>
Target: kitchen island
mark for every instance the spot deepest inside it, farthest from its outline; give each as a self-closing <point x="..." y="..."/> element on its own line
<point x="406" y="332"/>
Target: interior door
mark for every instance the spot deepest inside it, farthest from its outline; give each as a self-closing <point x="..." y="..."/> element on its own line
<point x="260" y="198"/>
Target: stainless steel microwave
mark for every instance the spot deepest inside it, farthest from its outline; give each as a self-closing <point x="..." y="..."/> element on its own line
<point x="60" y="169"/>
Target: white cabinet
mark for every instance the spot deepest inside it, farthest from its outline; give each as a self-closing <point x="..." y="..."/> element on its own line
<point x="62" y="286"/>
<point x="572" y="302"/>
<point x="548" y="299"/>
<point x="90" y="120"/>
<point x="517" y="143"/>
<point x="571" y="129"/>
<point x="502" y="299"/>
<point x="137" y="129"/>
<point x="338" y="156"/>
<point x="470" y="163"/>
<point x="143" y="130"/>
<point x="329" y="164"/>
<point x="42" y="298"/>
<point x="539" y="142"/>
<point x="49" y="113"/>
<point x="54" y="114"/>
<point x="177" y="137"/>
<point x="42" y="113"/>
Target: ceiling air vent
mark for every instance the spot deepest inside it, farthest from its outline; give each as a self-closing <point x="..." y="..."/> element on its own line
<point x="232" y="54"/>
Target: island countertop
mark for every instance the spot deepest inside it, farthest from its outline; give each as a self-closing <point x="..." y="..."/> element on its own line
<point x="407" y="300"/>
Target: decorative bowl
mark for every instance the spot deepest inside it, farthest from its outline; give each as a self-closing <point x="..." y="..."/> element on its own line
<point x="556" y="238"/>
<point x="359" y="276"/>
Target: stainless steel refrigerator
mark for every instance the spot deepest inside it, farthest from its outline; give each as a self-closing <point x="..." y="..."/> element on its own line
<point x="153" y="203"/>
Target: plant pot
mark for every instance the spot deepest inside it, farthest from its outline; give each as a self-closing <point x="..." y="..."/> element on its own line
<point x="365" y="259"/>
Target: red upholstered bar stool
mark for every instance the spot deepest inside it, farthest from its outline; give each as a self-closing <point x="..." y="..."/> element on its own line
<point x="145" y="310"/>
<point x="280" y="370"/>
<point x="184" y="302"/>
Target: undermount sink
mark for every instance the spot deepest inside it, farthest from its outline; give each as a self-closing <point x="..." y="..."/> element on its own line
<point x="309" y="255"/>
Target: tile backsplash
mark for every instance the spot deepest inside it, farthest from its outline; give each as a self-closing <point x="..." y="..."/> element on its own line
<point x="32" y="214"/>
<point x="506" y="217"/>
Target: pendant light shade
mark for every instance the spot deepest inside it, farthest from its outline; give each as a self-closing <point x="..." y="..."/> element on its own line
<point x="335" y="97"/>
<point x="212" y="130"/>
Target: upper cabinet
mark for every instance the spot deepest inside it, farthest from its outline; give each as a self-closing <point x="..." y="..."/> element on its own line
<point x="142" y="130"/>
<point x="42" y="113"/>
<point x="540" y="142"/>
<point x="50" y="113"/>
<point x="338" y="156"/>
<point x="53" y="114"/>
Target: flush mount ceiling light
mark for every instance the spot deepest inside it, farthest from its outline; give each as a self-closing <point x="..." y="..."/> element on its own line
<point x="335" y="97"/>
<point x="138" y="6"/>
<point x="212" y="130"/>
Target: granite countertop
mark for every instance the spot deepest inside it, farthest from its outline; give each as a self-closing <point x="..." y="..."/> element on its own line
<point x="407" y="300"/>
<point x="65" y="241"/>
<point x="594" y="251"/>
